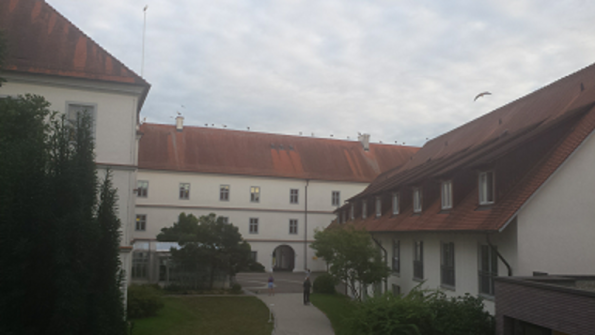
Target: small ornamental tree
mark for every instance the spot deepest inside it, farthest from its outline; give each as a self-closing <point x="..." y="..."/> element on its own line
<point x="352" y="256"/>
<point x="207" y="244"/>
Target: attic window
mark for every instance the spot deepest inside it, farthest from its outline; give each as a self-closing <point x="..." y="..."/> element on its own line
<point x="352" y="212"/>
<point x="378" y="207"/>
<point x="364" y="209"/>
<point x="280" y="146"/>
<point x="272" y="146"/>
<point x="291" y="147"/>
<point x="395" y="203"/>
<point x="417" y="197"/>
<point x="447" y="194"/>
<point x="486" y="188"/>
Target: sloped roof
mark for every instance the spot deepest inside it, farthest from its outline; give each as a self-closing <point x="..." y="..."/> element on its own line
<point x="211" y="150"/>
<point x="483" y="141"/>
<point x="42" y="41"/>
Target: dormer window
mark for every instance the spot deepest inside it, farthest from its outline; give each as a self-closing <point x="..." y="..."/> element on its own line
<point x="352" y="212"/>
<point x="344" y="215"/>
<point x="417" y="197"/>
<point x="447" y="194"/>
<point x="486" y="188"/>
<point x="395" y="203"/>
<point x="378" y="207"/>
<point x="364" y="209"/>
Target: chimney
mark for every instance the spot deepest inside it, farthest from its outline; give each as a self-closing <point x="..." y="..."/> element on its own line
<point x="179" y="123"/>
<point x="365" y="140"/>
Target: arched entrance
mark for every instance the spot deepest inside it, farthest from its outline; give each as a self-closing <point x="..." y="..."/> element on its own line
<point x="283" y="258"/>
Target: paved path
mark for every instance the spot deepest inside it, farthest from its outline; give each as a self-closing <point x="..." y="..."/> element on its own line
<point x="292" y="317"/>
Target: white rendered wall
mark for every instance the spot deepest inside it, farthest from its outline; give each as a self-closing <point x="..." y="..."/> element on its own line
<point x="557" y="226"/>
<point x="466" y="247"/>
<point x="274" y="210"/>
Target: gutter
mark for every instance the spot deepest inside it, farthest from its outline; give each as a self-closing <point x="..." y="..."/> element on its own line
<point x="385" y="260"/>
<point x="499" y="255"/>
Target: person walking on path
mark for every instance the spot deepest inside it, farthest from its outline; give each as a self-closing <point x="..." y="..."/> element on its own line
<point x="271" y="285"/>
<point x="307" y="286"/>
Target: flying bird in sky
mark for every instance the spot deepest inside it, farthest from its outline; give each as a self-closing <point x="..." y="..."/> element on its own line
<point x="481" y="95"/>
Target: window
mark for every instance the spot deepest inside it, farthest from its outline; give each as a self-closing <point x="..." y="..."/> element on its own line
<point x="396" y="290"/>
<point x="418" y="260"/>
<point x="364" y="209"/>
<point x="184" y="191"/>
<point x="396" y="256"/>
<point x="447" y="194"/>
<point x="254" y="255"/>
<point x="336" y="198"/>
<point x="293" y="196"/>
<point x="253" y="226"/>
<point x="378" y="207"/>
<point x="293" y="225"/>
<point x="254" y="194"/>
<point x="447" y="264"/>
<point x="417" y="198"/>
<point x="395" y="203"/>
<point x="142" y="188"/>
<point x="141" y="222"/>
<point x="344" y="216"/>
<point x="225" y="219"/>
<point x="486" y="188"/>
<point x="488" y="269"/>
<point x="224" y="193"/>
<point x="140" y="264"/>
<point x="74" y="110"/>
<point x="352" y="212"/>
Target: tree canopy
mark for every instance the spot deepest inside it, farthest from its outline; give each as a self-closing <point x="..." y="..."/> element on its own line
<point x="207" y="243"/>
<point x="352" y="256"/>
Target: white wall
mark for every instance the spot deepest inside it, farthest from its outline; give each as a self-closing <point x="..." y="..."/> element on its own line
<point x="162" y="207"/>
<point x="557" y="226"/>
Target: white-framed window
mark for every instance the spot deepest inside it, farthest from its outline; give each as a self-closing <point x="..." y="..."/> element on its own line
<point x="293" y="195"/>
<point x="140" y="264"/>
<point x="225" y="219"/>
<point x="446" y="194"/>
<point x="76" y="109"/>
<point x="336" y="198"/>
<point x="142" y="188"/>
<point x="253" y="229"/>
<point x="396" y="256"/>
<point x="255" y="194"/>
<point x="488" y="269"/>
<point x="418" y="259"/>
<point x="486" y="188"/>
<point x="417" y="200"/>
<point x="141" y="222"/>
<point x="352" y="211"/>
<point x="396" y="290"/>
<point x="293" y="226"/>
<point x="378" y="206"/>
<point x="344" y="216"/>
<point x="447" y="264"/>
<point x="395" y="203"/>
<point x="254" y="255"/>
<point x="224" y="193"/>
<point x="364" y="209"/>
<point x="184" y="191"/>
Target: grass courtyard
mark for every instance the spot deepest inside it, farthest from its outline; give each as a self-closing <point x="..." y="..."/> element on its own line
<point x="337" y="308"/>
<point x="189" y="315"/>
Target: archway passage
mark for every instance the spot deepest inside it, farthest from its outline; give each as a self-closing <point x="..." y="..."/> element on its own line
<point x="283" y="258"/>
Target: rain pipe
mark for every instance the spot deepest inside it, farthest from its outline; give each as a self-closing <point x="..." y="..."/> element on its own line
<point x="499" y="255"/>
<point x="306" y="227"/>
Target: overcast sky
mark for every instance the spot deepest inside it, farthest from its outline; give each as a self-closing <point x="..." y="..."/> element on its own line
<point x="400" y="70"/>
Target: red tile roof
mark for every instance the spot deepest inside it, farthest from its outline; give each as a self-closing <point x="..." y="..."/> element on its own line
<point x="563" y="108"/>
<point x="42" y="41"/>
<point x="211" y="150"/>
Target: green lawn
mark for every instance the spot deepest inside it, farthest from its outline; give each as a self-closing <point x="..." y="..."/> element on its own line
<point x="337" y="308"/>
<point x="207" y="315"/>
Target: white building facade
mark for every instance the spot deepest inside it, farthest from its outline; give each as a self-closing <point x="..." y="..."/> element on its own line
<point x="273" y="189"/>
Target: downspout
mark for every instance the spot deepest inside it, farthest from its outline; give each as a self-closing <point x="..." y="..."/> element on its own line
<point x="306" y="226"/>
<point x="499" y="255"/>
<point x="385" y="260"/>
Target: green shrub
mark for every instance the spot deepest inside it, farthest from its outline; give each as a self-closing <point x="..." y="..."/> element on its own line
<point x="236" y="288"/>
<point x="144" y="301"/>
<point x="325" y="283"/>
<point x="256" y="267"/>
<point x="422" y="312"/>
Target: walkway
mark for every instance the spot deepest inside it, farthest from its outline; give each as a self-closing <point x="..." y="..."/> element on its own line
<point x="292" y="317"/>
